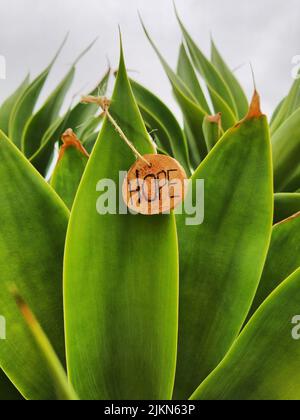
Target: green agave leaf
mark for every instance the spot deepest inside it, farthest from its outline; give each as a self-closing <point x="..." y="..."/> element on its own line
<point x="188" y="75"/>
<point x="91" y="126"/>
<point x="193" y="113"/>
<point x="81" y="114"/>
<point x="90" y="142"/>
<point x="36" y="127"/>
<point x="173" y="77"/>
<point x="287" y="107"/>
<point x="63" y="389"/>
<point x="283" y="258"/>
<point x="127" y="309"/>
<point x="24" y="107"/>
<point x="195" y="159"/>
<point x="7" y="391"/>
<point x="162" y="152"/>
<point x="286" y="151"/>
<point x="264" y="362"/>
<point x="42" y="158"/>
<point x="212" y="129"/>
<point x="34" y="223"/>
<point x="228" y="118"/>
<point x="210" y="74"/>
<point x="221" y="261"/>
<point x="42" y="120"/>
<point x="69" y="170"/>
<point x="8" y="105"/>
<point x="277" y="110"/>
<point x="80" y="117"/>
<point x="293" y="183"/>
<point x="186" y="72"/>
<point x="158" y="116"/>
<point x="237" y="91"/>
<point x="154" y="125"/>
<point x="286" y="205"/>
<point x="194" y="117"/>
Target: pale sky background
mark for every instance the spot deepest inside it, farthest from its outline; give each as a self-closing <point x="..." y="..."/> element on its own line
<point x="265" y="32"/>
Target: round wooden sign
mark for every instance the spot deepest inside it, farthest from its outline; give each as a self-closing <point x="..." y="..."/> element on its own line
<point x="154" y="188"/>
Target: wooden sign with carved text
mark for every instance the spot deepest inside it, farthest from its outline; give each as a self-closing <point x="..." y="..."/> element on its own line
<point x="155" y="188"/>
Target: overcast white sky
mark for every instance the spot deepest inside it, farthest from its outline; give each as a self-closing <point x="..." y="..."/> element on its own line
<point x="265" y="32"/>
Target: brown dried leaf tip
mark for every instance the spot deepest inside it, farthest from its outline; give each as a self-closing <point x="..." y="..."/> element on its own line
<point x="255" y="108"/>
<point x="217" y="119"/>
<point x="70" y="139"/>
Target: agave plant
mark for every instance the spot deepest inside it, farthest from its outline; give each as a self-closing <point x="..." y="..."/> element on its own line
<point x="124" y="307"/>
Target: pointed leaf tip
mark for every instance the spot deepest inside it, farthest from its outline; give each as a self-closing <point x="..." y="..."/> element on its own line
<point x="70" y="139"/>
<point x="120" y="38"/>
<point x="255" y="107"/>
<point x="60" y="48"/>
<point x="175" y="9"/>
<point x="122" y="56"/>
<point x="144" y="27"/>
